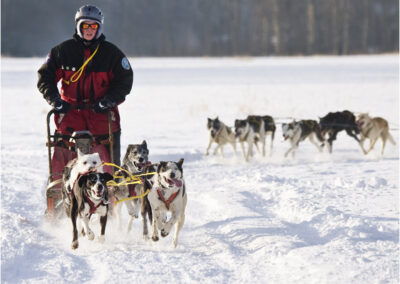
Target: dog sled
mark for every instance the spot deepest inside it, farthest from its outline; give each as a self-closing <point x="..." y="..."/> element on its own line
<point x="63" y="148"/>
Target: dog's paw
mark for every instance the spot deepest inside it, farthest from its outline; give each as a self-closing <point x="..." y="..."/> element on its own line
<point x="164" y="233"/>
<point x="155" y="238"/>
<point x="90" y="235"/>
<point x="145" y="237"/>
<point x="74" y="245"/>
<point x="101" y="239"/>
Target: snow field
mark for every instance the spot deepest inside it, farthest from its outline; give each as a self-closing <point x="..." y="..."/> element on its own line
<point x="318" y="218"/>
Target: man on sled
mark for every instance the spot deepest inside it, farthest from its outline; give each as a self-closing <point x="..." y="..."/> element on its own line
<point x="95" y="77"/>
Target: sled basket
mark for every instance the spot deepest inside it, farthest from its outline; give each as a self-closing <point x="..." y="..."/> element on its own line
<point x="64" y="150"/>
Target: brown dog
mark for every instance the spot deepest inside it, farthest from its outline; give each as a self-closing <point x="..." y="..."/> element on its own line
<point x="373" y="128"/>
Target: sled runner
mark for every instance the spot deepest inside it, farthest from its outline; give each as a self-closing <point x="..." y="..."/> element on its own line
<point x="65" y="148"/>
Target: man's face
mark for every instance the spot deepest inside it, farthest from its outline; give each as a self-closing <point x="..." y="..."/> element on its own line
<point x="89" y="29"/>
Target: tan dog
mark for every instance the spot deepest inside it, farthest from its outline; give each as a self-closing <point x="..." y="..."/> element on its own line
<point x="373" y="128"/>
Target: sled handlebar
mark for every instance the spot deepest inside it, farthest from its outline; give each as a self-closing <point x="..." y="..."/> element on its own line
<point x="110" y="134"/>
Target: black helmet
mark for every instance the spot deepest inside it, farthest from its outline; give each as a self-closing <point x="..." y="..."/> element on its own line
<point x="89" y="13"/>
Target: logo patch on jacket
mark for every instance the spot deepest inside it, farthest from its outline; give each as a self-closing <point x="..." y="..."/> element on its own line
<point x="125" y="63"/>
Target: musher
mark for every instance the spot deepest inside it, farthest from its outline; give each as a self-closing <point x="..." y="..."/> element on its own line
<point x="94" y="73"/>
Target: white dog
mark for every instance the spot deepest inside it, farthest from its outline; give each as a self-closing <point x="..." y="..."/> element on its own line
<point x="168" y="194"/>
<point x="84" y="163"/>
<point x="81" y="165"/>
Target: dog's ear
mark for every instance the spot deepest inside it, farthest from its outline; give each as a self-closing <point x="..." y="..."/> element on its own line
<point x="161" y="165"/>
<point x="106" y="176"/>
<point x="209" y="121"/>
<point x="125" y="160"/>
<point x="79" y="153"/>
<point x="217" y="119"/>
<point x="82" y="180"/>
<point x="179" y="163"/>
<point x="144" y="143"/>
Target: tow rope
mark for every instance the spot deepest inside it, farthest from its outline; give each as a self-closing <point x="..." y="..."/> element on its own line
<point x="75" y="77"/>
<point x="132" y="179"/>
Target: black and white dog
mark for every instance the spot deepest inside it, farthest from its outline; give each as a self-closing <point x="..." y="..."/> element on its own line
<point x="135" y="161"/>
<point x="168" y="194"/>
<point x="221" y="135"/>
<point x="334" y="122"/>
<point x="298" y="131"/>
<point x="89" y="196"/>
<point x="252" y="130"/>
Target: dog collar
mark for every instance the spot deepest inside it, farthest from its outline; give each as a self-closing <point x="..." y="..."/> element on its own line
<point x="169" y="200"/>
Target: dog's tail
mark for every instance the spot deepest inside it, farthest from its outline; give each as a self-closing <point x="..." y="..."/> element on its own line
<point x="391" y="139"/>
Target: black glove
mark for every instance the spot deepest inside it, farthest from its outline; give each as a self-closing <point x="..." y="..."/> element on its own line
<point x="60" y="106"/>
<point x="103" y="105"/>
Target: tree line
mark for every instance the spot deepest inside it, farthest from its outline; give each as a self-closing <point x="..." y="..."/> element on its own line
<point x="211" y="27"/>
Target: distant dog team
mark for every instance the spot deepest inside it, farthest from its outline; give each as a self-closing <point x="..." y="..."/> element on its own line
<point x="254" y="129"/>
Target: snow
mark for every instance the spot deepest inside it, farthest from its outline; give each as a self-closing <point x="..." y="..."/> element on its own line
<point x="318" y="218"/>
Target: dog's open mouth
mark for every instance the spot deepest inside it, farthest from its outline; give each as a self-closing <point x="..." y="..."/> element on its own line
<point x="285" y="137"/>
<point x="97" y="194"/>
<point x="173" y="182"/>
<point x="139" y="165"/>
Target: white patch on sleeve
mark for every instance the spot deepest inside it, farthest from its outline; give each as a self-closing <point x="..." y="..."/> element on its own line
<point x="125" y="63"/>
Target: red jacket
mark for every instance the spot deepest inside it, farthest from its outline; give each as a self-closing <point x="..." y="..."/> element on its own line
<point x="107" y="74"/>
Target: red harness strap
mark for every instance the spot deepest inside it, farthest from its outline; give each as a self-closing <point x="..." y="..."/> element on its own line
<point x="93" y="208"/>
<point x="132" y="191"/>
<point x="170" y="199"/>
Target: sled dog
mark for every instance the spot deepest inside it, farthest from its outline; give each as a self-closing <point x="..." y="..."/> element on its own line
<point x="80" y="165"/>
<point x="168" y="194"/>
<point x="83" y="164"/>
<point x="298" y="131"/>
<point x="252" y="130"/>
<point x="221" y="135"/>
<point x="135" y="161"/>
<point x="89" y="196"/>
<point x="373" y="128"/>
<point x="334" y="122"/>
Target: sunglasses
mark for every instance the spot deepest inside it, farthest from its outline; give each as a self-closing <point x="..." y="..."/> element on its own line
<point x="92" y="26"/>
